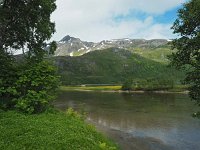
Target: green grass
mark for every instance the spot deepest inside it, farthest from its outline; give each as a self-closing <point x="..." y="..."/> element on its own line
<point x="176" y="88"/>
<point x="92" y="88"/>
<point x="158" y="54"/>
<point x="50" y="131"/>
<point x="179" y="88"/>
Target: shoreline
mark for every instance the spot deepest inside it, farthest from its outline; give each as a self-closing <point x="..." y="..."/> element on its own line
<point x="143" y="91"/>
<point x="65" y="88"/>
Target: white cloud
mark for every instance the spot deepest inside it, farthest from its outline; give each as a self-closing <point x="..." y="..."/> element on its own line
<point x="93" y="20"/>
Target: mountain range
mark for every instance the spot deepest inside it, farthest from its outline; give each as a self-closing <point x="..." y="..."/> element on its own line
<point x="115" y="61"/>
<point x="71" y="46"/>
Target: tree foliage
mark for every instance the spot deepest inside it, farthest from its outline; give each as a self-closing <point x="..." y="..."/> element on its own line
<point x="25" y="25"/>
<point x="7" y="77"/>
<point x="187" y="46"/>
<point x="37" y="86"/>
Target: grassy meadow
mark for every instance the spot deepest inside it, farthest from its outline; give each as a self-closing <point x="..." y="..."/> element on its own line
<point x="55" y="130"/>
<point x="92" y="88"/>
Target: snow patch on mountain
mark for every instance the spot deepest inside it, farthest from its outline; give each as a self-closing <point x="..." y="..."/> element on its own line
<point x="70" y="45"/>
<point x="71" y="54"/>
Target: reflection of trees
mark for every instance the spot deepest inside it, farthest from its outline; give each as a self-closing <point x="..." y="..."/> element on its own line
<point x="162" y="97"/>
<point x="129" y="110"/>
<point x="130" y="121"/>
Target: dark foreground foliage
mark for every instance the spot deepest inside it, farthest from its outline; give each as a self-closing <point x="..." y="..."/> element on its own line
<point x="29" y="88"/>
<point x="25" y="26"/>
<point x="187" y="46"/>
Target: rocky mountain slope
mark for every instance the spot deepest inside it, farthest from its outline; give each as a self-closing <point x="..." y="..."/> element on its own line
<point x="70" y="46"/>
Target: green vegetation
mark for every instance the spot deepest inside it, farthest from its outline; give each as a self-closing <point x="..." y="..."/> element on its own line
<point x="128" y="86"/>
<point x="49" y="131"/>
<point x="36" y="87"/>
<point x="152" y="84"/>
<point x="29" y="84"/>
<point x="148" y="84"/>
<point x="116" y="66"/>
<point x="187" y="54"/>
<point x="157" y="54"/>
<point x="92" y="88"/>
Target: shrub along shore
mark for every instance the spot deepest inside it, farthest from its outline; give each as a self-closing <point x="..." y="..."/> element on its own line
<point x="120" y="88"/>
<point x="49" y="130"/>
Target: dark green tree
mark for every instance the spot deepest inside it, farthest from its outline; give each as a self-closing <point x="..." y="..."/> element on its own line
<point x="25" y="25"/>
<point x="7" y="77"/>
<point x="187" y="46"/>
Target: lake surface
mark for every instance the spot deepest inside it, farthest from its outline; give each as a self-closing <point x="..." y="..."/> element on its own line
<point x="139" y="121"/>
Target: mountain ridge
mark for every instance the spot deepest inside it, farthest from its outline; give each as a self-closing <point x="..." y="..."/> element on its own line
<point x="71" y="46"/>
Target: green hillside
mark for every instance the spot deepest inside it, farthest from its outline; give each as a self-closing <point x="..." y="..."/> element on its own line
<point x="158" y="54"/>
<point x="114" y="66"/>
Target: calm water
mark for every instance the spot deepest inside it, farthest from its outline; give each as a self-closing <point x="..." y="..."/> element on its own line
<point x="139" y="121"/>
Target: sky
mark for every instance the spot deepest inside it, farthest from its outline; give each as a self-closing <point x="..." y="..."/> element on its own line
<point x="97" y="20"/>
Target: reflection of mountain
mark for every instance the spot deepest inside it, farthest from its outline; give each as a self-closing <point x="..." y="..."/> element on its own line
<point x="158" y="130"/>
<point x="144" y="120"/>
<point x="129" y="111"/>
<point x="131" y="120"/>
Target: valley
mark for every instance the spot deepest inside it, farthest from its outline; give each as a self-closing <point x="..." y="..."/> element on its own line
<point x="136" y="61"/>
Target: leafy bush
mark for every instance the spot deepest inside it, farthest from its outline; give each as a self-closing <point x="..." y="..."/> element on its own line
<point x="104" y="146"/>
<point x="71" y="113"/>
<point x="36" y="86"/>
<point x="27" y="86"/>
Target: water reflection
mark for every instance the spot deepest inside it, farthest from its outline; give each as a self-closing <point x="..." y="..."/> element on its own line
<point x="139" y="121"/>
